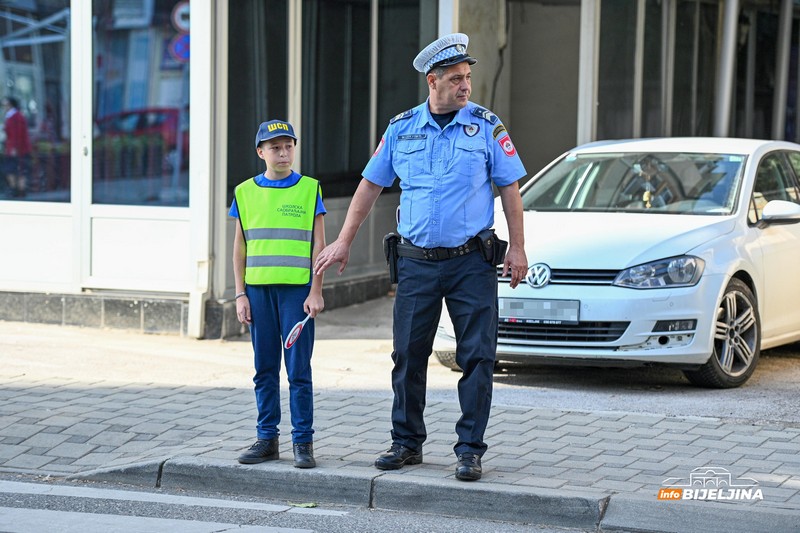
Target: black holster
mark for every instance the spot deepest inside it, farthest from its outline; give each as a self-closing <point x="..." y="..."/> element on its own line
<point x="493" y="249"/>
<point x="390" y="251"/>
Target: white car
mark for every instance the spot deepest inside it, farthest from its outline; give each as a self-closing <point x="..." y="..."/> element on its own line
<point x="675" y="251"/>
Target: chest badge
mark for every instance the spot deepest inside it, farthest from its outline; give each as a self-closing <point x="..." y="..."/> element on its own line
<point x="472" y="130"/>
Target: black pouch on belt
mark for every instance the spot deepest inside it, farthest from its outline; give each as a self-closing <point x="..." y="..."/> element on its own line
<point x="493" y="248"/>
<point x="390" y="251"/>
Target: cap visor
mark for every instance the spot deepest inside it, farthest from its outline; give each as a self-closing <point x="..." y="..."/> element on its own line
<point x="454" y="61"/>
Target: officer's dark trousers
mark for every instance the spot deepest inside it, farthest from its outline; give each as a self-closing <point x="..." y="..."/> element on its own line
<point x="468" y="286"/>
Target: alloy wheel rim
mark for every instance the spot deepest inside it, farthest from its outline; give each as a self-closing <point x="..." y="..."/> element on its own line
<point x="735" y="335"/>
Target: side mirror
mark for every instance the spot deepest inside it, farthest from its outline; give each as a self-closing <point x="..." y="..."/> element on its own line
<point x="779" y="212"/>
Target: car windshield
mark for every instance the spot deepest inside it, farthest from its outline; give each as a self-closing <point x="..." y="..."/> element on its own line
<point x="675" y="183"/>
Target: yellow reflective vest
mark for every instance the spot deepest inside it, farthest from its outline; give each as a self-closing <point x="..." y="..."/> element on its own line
<point x="278" y="228"/>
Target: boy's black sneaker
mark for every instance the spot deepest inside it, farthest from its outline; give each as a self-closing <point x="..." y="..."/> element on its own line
<point x="304" y="455"/>
<point x="262" y="450"/>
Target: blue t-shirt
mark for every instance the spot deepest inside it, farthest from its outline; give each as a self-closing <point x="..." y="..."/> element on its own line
<point x="446" y="174"/>
<point x="288" y="181"/>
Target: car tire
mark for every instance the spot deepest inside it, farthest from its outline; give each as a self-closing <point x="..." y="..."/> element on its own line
<point x="737" y="341"/>
<point x="448" y="359"/>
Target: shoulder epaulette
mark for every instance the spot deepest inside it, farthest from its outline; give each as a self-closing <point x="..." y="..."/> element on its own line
<point x="401" y="116"/>
<point x="485" y="114"/>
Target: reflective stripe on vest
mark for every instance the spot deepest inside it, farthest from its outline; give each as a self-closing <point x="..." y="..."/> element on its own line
<point x="278" y="227"/>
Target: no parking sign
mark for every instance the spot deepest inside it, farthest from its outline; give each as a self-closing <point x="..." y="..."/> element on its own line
<point x="179" y="47"/>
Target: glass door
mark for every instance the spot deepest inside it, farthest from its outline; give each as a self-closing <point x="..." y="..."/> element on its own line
<point x="138" y="217"/>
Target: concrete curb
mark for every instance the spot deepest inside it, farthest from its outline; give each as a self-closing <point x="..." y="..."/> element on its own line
<point x="141" y="474"/>
<point x="280" y="480"/>
<point x="488" y="501"/>
<point x="634" y="513"/>
<point x="366" y="487"/>
<point x="362" y="487"/>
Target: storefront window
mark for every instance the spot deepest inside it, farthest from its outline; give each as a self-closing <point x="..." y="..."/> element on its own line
<point x="35" y="79"/>
<point x="258" y="71"/>
<point x="141" y="102"/>
<point x="616" y="69"/>
<point x="336" y="83"/>
<point x="695" y="68"/>
<point x="652" y="78"/>
<point x="405" y="27"/>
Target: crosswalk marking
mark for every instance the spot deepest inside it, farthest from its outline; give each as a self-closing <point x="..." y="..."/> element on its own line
<point x="16" y="520"/>
<point x="14" y="487"/>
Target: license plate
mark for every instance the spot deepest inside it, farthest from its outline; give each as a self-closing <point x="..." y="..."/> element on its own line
<point x="528" y="311"/>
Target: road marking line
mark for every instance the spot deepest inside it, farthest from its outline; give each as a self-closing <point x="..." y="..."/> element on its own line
<point x="17" y="520"/>
<point x="15" y="487"/>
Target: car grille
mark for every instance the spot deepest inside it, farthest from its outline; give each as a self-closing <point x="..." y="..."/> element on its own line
<point x="584" y="332"/>
<point x="565" y="276"/>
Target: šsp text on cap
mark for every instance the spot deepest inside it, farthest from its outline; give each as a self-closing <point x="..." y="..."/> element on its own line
<point x="274" y="128"/>
<point x="443" y="52"/>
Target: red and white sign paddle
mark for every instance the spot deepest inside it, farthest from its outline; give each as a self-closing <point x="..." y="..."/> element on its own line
<point x="295" y="333"/>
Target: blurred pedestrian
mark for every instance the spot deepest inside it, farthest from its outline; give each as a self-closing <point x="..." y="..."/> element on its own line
<point x="17" y="147"/>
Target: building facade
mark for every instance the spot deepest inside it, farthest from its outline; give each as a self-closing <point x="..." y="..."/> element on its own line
<point x="141" y="113"/>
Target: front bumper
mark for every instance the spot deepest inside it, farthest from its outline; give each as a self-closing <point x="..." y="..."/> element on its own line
<point x="615" y="324"/>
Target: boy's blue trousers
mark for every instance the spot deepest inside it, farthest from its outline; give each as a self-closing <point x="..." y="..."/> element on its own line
<point x="275" y="309"/>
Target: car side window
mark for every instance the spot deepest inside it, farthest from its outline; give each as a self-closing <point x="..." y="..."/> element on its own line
<point x="794" y="161"/>
<point x="774" y="181"/>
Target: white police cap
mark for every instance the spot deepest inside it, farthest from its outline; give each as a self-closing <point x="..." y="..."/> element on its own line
<point x="443" y="52"/>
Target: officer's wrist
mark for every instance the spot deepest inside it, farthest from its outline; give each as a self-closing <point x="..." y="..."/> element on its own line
<point x="239" y="295"/>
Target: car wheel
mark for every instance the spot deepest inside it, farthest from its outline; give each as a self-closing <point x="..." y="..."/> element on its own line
<point x="737" y="341"/>
<point x="448" y="359"/>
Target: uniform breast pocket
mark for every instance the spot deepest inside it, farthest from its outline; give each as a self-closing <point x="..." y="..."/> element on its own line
<point x="470" y="159"/>
<point x="410" y="158"/>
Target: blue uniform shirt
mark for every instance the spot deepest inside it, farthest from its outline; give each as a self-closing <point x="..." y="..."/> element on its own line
<point x="288" y="181"/>
<point x="445" y="175"/>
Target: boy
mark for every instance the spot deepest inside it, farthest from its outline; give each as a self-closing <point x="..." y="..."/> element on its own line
<point x="279" y="234"/>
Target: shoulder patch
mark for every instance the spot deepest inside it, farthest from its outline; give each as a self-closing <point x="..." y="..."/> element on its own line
<point x="401" y="116"/>
<point x="485" y="114"/>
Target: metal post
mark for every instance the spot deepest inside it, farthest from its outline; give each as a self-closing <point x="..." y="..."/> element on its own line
<point x="725" y="70"/>
<point x="587" y="71"/>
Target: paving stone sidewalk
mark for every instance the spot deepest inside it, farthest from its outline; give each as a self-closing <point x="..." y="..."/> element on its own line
<point x="572" y="469"/>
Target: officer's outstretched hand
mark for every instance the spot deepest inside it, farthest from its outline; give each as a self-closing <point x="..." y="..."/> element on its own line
<point x="336" y="252"/>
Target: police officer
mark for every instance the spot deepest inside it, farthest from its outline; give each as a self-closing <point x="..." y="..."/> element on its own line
<point x="447" y="153"/>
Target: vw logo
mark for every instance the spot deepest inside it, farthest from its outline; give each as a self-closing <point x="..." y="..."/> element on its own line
<point x="538" y="276"/>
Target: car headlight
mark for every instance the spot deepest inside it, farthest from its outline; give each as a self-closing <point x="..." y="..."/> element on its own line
<point x="683" y="271"/>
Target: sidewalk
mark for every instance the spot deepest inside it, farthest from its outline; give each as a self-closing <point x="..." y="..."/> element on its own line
<point x="171" y="412"/>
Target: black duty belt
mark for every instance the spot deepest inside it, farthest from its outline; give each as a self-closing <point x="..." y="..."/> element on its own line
<point x="406" y="249"/>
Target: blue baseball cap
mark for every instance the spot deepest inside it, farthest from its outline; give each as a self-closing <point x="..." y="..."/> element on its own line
<point x="274" y="128"/>
<point x="443" y="52"/>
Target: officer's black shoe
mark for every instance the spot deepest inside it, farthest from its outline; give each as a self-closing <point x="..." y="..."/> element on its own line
<point x="397" y="457"/>
<point x="262" y="450"/>
<point x="468" y="467"/>
<point x="304" y="455"/>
